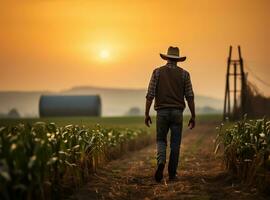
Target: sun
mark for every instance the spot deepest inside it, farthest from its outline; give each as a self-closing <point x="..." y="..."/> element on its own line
<point x="104" y="54"/>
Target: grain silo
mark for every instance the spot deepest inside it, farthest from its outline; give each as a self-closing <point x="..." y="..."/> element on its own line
<point x="69" y="105"/>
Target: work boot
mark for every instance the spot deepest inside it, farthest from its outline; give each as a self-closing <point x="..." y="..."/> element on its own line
<point x="159" y="172"/>
<point x="173" y="177"/>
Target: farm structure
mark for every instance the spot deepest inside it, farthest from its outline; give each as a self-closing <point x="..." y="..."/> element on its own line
<point x="69" y="105"/>
<point x="246" y="99"/>
<point x="239" y="108"/>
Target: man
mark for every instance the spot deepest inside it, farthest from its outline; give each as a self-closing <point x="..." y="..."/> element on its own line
<point x="169" y="85"/>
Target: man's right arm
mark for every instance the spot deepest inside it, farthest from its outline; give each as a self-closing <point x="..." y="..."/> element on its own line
<point x="191" y="106"/>
<point x="189" y="95"/>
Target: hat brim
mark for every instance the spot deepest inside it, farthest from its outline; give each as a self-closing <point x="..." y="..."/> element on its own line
<point x="171" y="57"/>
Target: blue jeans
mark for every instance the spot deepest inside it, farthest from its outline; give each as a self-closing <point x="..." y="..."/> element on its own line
<point x="169" y="119"/>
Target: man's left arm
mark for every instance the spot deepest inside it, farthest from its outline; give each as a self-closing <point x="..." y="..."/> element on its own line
<point x="147" y="119"/>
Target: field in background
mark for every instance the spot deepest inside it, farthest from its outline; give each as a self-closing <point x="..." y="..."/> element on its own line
<point x="115" y="102"/>
<point x="107" y="122"/>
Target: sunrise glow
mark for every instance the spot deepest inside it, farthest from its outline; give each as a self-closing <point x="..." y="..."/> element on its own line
<point x="104" y="54"/>
<point x="117" y="43"/>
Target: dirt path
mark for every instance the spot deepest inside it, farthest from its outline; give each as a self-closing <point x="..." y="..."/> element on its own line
<point x="201" y="174"/>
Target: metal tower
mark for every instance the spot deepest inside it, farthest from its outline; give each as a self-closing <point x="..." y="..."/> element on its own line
<point x="238" y="108"/>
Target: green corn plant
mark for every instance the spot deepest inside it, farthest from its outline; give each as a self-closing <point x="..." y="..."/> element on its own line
<point x="246" y="148"/>
<point x="39" y="160"/>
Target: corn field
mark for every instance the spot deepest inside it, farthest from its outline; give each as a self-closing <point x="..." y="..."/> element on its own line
<point x="42" y="161"/>
<point x="246" y="150"/>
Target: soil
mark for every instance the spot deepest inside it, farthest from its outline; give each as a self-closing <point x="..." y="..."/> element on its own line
<point x="201" y="174"/>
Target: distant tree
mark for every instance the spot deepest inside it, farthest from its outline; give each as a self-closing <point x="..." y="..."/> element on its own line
<point x="13" y="113"/>
<point x="134" y="111"/>
<point x="208" y="109"/>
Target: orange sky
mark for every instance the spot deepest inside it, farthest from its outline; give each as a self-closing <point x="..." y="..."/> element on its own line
<point x="54" y="45"/>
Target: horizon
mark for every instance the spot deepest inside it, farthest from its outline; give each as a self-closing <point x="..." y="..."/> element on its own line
<point x="56" y="45"/>
<point x="94" y="87"/>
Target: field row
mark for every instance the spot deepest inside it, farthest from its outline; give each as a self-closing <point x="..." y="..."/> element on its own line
<point x="43" y="160"/>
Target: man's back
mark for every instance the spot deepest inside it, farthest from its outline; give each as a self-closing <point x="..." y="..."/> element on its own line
<point x="170" y="88"/>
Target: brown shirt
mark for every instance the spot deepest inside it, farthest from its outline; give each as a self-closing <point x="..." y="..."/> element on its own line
<point x="170" y="88"/>
<point x="152" y="87"/>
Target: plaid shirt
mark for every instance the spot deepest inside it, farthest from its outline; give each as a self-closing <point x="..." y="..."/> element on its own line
<point x="188" y="91"/>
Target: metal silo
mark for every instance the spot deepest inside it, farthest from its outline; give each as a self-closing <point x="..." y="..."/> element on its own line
<point x="69" y="105"/>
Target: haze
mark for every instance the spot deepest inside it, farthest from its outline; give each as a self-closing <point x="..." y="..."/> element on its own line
<point x="55" y="45"/>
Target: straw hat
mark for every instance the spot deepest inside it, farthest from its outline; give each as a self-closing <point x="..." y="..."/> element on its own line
<point x="173" y="54"/>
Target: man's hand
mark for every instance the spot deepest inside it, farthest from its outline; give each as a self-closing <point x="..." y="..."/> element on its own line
<point x="191" y="123"/>
<point x="191" y="105"/>
<point x="147" y="120"/>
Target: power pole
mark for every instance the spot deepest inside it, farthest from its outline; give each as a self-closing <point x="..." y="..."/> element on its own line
<point x="227" y="104"/>
<point x="238" y="110"/>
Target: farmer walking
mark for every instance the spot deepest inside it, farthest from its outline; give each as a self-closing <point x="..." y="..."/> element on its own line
<point x="169" y="85"/>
